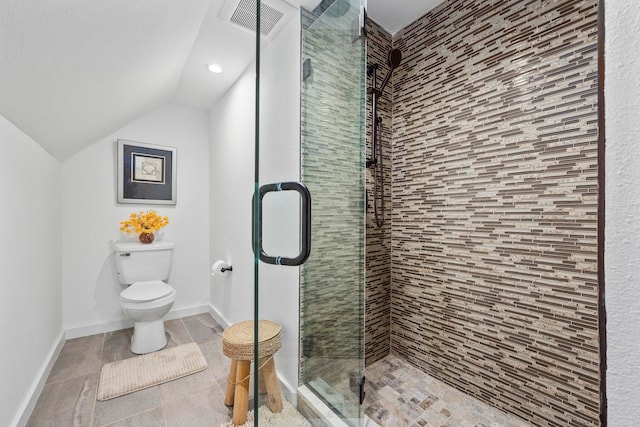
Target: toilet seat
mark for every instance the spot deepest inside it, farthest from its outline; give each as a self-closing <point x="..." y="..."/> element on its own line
<point x="146" y="291"/>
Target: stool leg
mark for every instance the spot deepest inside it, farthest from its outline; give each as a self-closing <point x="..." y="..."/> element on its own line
<point x="241" y="398"/>
<point x="273" y="389"/>
<point x="262" y="387"/>
<point x="231" y="384"/>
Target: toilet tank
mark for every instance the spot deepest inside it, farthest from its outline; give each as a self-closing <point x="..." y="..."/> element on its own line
<point x="138" y="262"/>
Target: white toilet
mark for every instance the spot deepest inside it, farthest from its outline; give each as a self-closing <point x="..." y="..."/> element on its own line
<point x="147" y="299"/>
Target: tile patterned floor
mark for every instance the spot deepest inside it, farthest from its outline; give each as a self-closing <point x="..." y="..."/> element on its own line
<point x="398" y="394"/>
<point x="69" y="396"/>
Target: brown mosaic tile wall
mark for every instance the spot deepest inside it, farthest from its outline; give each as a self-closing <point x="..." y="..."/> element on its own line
<point x="494" y="284"/>
<point x="378" y="239"/>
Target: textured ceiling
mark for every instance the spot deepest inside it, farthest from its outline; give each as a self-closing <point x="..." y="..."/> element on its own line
<point x="74" y="71"/>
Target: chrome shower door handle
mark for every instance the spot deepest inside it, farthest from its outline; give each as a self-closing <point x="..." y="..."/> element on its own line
<point x="305" y="223"/>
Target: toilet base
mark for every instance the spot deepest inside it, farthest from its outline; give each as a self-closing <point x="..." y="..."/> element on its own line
<point x="148" y="337"/>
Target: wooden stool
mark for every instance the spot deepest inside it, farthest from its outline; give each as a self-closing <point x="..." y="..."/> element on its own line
<point x="237" y="344"/>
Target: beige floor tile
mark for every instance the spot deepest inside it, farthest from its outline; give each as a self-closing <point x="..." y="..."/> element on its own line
<point x="78" y="357"/>
<point x="122" y="407"/>
<point x="66" y="403"/>
<point x="192" y="401"/>
<point x="117" y="347"/>
<point x="177" y="333"/>
<point x="202" y="409"/>
<point x="219" y="364"/>
<point x="151" y="418"/>
<point x="203" y="328"/>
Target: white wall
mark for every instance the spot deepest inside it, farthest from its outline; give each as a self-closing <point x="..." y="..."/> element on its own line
<point x="622" y="210"/>
<point x="30" y="307"/>
<point x="232" y="174"/>
<point x="91" y="220"/>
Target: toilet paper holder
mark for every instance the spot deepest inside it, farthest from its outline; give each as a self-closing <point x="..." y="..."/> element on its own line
<point x="220" y="266"/>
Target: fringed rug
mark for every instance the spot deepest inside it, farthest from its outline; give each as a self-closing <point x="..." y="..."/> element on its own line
<point x="137" y="373"/>
<point x="289" y="417"/>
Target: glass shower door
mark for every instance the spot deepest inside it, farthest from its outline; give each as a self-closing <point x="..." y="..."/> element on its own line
<point x="332" y="167"/>
<point x="309" y="213"/>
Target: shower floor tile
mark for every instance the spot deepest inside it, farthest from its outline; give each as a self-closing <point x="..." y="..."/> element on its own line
<point x="398" y="394"/>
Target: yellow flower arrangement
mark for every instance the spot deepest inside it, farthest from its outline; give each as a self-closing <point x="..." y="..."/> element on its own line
<point x="144" y="222"/>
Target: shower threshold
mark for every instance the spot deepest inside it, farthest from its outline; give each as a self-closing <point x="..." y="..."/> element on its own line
<point x="320" y="414"/>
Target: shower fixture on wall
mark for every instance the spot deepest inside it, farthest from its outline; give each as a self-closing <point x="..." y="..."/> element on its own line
<point x="393" y="59"/>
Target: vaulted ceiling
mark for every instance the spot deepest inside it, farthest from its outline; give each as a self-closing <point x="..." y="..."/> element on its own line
<point x="74" y="71"/>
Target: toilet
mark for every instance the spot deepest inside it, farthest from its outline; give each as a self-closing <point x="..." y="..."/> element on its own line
<point x="143" y="268"/>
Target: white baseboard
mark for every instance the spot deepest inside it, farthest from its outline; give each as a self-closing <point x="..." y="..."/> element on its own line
<point x="100" y="328"/>
<point x="218" y="317"/>
<point x="289" y="393"/>
<point x="185" y="312"/>
<point x="33" y="394"/>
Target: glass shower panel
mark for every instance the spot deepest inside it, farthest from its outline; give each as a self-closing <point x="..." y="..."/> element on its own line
<point x="332" y="167"/>
<point x="309" y="212"/>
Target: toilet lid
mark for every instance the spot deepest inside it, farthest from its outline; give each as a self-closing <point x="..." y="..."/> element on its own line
<point x="146" y="291"/>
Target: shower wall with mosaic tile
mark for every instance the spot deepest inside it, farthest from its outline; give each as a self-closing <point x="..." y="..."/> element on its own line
<point x="378" y="239"/>
<point x="493" y="230"/>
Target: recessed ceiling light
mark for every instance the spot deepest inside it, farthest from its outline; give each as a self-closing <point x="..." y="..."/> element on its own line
<point x="214" y="68"/>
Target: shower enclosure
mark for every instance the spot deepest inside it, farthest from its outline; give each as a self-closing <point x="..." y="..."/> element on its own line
<point x="495" y="234"/>
<point x="309" y="223"/>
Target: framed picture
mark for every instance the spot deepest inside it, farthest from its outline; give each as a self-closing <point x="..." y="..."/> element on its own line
<point x="146" y="173"/>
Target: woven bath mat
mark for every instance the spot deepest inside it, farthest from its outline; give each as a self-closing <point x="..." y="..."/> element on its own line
<point x="137" y="373"/>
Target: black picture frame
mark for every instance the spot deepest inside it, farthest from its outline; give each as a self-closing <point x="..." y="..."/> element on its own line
<point x="146" y="173"/>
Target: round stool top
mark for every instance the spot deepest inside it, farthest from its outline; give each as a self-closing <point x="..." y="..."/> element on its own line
<point x="237" y="340"/>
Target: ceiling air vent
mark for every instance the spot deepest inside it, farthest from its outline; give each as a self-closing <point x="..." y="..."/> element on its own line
<point x="273" y="14"/>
